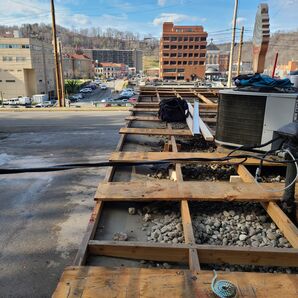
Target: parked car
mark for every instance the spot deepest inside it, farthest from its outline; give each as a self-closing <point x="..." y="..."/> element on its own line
<point x="86" y="90"/>
<point x="13" y="101"/>
<point x="92" y="86"/>
<point x="40" y="105"/>
<point x="103" y="87"/>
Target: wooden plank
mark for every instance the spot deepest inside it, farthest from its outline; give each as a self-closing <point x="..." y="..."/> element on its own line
<point x="282" y="221"/>
<point x="80" y="258"/>
<point x="203" y="128"/>
<point x="204" y="98"/>
<point x="143" y="282"/>
<point x="285" y="225"/>
<point x="156" y="119"/>
<point x="143" y="118"/>
<point x="189" y="238"/>
<point x="190" y="190"/>
<point x="209" y="254"/>
<point x="146" y="156"/>
<point x="155" y="131"/>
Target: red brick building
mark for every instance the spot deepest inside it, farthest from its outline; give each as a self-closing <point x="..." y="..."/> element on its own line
<point x="182" y="52"/>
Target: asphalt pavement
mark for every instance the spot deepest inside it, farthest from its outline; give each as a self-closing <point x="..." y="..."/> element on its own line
<point x="43" y="216"/>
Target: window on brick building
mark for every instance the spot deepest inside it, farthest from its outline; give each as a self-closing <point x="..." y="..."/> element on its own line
<point x="166" y="46"/>
<point x="190" y="55"/>
<point x="179" y="54"/>
<point x="166" y="62"/>
<point x="203" y="38"/>
<point x="184" y="62"/>
<point x="173" y="38"/>
<point x="196" y="55"/>
<point x="197" y="47"/>
<point x="197" y="39"/>
<point x="195" y="62"/>
<point x="172" y="62"/>
<point x="184" y="54"/>
<point x="180" y="38"/>
<point x="180" y="47"/>
<point x="202" y="63"/>
<point x="173" y="55"/>
<point x="191" y="47"/>
<point x="185" y="38"/>
<point x="179" y="62"/>
<point x="173" y="47"/>
<point x="202" y="55"/>
<point x="189" y="62"/>
<point x="185" y="47"/>
<point x="191" y="39"/>
<point x="166" y="38"/>
<point x="203" y="47"/>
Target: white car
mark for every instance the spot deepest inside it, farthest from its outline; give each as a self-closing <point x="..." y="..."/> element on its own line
<point x="103" y="87"/>
<point x="86" y="90"/>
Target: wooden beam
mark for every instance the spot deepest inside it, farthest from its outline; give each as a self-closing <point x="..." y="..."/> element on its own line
<point x="190" y="190"/>
<point x="209" y="254"/>
<point x="156" y="119"/>
<point x="143" y="118"/>
<point x="204" y="99"/>
<point x="146" y="156"/>
<point x="143" y="282"/>
<point x="285" y="225"/>
<point x="189" y="238"/>
<point x="155" y="131"/>
<point x="282" y="221"/>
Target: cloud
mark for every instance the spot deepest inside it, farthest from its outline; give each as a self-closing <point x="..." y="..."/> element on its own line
<point x="240" y="20"/>
<point x="161" y="2"/>
<point x="175" y="18"/>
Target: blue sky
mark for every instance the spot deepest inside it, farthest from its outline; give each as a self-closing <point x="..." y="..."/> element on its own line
<point x="146" y="16"/>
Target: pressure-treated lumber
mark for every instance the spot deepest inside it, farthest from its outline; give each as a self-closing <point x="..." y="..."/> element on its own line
<point x="282" y="221"/>
<point x="189" y="238"/>
<point x="155" y="131"/>
<point x="143" y="282"/>
<point x="146" y="156"/>
<point x="285" y="225"/>
<point x="209" y="254"/>
<point x="204" y="98"/>
<point x="156" y="119"/>
<point x="190" y="190"/>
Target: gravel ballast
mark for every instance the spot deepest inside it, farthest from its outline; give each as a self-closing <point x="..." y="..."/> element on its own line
<point x="235" y="224"/>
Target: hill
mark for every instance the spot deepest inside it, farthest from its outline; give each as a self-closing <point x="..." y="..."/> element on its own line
<point x="285" y="43"/>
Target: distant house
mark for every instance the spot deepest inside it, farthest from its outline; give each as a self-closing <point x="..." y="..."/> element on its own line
<point x="109" y="69"/>
<point x="212" y="61"/>
<point x="77" y="66"/>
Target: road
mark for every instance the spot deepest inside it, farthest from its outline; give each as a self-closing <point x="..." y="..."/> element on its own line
<point x="43" y="216"/>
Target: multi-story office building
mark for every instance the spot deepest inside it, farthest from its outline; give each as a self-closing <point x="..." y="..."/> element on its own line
<point x="132" y="58"/>
<point x="182" y="52"/>
<point x="26" y="67"/>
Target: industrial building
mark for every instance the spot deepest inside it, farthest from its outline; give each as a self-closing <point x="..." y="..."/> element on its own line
<point x="182" y="52"/>
<point x="26" y="67"/>
<point x="132" y="58"/>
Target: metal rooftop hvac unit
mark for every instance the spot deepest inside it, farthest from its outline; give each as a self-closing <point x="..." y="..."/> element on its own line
<point x="250" y="118"/>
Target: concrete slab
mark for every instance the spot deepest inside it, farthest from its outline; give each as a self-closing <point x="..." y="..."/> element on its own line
<point x="43" y="216"/>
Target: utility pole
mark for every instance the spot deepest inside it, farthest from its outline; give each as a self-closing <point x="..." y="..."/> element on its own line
<point x="232" y="45"/>
<point x="56" y="56"/>
<point x="240" y="51"/>
<point x="1" y="96"/>
<point x="61" y="72"/>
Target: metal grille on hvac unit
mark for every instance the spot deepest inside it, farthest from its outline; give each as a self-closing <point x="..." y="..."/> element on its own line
<point x="240" y="119"/>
